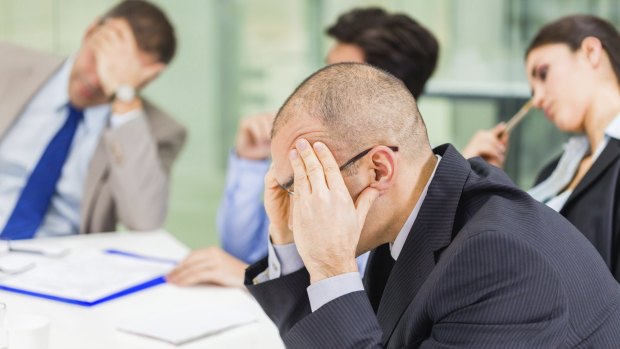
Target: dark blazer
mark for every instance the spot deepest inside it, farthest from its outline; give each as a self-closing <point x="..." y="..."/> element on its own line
<point x="594" y="205"/>
<point x="484" y="266"/>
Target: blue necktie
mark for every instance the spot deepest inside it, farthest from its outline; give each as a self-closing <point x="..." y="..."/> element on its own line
<point x="36" y="196"/>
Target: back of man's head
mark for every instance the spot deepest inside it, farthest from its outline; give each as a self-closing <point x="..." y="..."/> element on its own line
<point x="360" y="106"/>
<point x="153" y="31"/>
<point x="392" y="42"/>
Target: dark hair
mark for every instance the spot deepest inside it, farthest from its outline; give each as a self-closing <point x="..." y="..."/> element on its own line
<point x="153" y="31"/>
<point x="571" y="30"/>
<point x="393" y="42"/>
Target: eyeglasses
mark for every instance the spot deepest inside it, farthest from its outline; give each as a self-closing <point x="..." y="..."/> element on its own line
<point x="289" y="185"/>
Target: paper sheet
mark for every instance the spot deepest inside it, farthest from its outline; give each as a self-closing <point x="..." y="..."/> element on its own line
<point x="87" y="276"/>
<point x="185" y="324"/>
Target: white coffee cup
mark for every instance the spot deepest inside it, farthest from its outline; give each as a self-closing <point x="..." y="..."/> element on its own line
<point x="28" y="331"/>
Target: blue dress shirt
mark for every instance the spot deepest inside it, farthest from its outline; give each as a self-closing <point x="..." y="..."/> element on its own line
<point x="25" y="141"/>
<point x="242" y="222"/>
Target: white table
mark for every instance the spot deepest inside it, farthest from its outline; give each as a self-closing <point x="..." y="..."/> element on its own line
<point x="96" y="327"/>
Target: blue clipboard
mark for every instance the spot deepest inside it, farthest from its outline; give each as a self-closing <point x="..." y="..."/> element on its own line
<point x="148" y="284"/>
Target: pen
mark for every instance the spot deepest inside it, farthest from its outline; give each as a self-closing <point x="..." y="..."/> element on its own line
<point x="55" y="253"/>
<point x="517" y="118"/>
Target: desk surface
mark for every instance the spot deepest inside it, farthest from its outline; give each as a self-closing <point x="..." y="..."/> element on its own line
<point x="79" y="327"/>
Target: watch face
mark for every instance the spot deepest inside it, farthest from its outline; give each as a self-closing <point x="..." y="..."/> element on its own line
<point x="125" y="93"/>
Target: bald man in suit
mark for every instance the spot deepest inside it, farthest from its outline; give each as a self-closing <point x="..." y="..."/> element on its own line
<point x="460" y="257"/>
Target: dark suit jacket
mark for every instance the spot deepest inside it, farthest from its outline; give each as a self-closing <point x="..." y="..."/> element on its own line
<point x="484" y="266"/>
<point x="594" y="205"/>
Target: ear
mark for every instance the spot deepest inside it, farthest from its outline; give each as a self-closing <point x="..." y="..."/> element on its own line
<point x="383" y="165"/>
<point x="593" y="50"/>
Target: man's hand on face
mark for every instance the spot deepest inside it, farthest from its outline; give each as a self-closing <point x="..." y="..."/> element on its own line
<point x="118" y="58"/>
<point x="326" y="223"/>
<point x="254" y="137"/>
<point x="277" y="205"/>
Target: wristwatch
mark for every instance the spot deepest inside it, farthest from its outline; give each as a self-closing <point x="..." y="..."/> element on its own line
<point x="125" y="93"/>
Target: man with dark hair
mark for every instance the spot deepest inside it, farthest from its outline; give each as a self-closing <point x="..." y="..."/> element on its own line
<point x="461" y="258"/>
<point x="393" y="42"/>
<point x="80" y="150"/>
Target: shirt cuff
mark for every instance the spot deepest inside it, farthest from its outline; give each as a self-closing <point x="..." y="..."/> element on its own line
<point x="118" y="120"/>
<point x="334" y="287"/>
<point x="283" y="260"/>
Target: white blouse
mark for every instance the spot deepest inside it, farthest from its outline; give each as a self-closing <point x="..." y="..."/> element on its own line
<point x="551" y="190"/>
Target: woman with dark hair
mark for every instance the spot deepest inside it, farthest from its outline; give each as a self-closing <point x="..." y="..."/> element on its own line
<point x="573" y="68"/>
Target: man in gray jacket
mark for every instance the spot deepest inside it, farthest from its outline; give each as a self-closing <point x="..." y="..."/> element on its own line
<point x="80" y="150"/>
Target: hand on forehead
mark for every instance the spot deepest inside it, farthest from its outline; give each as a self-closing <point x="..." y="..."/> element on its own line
<point x="281" y="153"/>
<point x="120" y="25"/>
<point x="285" y="140"/>
<point x="314" y="167"/>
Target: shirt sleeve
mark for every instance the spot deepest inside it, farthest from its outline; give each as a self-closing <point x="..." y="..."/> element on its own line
<point x="282" y="260"/>
<point x="118" y="120"/>
<point x="327" y="290"/>
<point x="285" y="259"/>
<point x="241" y="219"/>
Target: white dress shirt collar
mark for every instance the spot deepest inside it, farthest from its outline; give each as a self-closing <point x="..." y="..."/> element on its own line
<point x="550" y="191"/>
<point x="397" y="246"/>
<point x="613" y="129"/>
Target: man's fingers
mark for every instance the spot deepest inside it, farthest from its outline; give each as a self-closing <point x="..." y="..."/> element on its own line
<point x="364" y="203"/>
<point x="189" y="272"/>
<point x="270" y="179"/>
<point x="107" y="36"/>
<point x="194" y="278"/>
<point x="120" y="27"/>
<point x="199" y="256"/>
<point x="314" y="169"/>
<point x="330" y="167"/>
<point x="266" y="123"/>
<point x="112" y="33"/>
<point x="264" y="136"/>
<point x="102" y="44"/>
<point x="301" y="183"/>
<point x="254" y="132"/>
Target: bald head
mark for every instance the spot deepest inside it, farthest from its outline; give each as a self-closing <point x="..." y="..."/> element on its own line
<point x="359" y="106"/>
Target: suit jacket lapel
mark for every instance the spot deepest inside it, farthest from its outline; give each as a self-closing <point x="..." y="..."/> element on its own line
<point x="432" y="231"/>
<point x="607" y="157"/>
